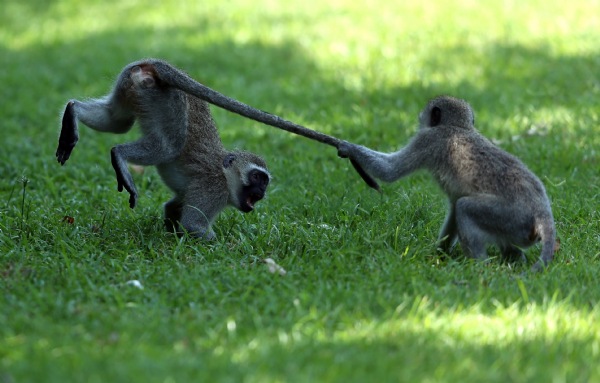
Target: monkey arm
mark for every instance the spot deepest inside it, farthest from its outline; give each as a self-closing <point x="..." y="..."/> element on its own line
<point x="388" y="167"/>
<point x="124" y="178"/>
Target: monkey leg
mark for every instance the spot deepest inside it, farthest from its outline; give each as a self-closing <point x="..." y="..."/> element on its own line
<point x="486" y="219"/>
<point x="112" y="113"/>
<point x="512" y="254"/>
<point x="163" y="121"/>
<point x="197" y="223"/>
<point x="124" y="178"/>
<point x="473" y="238"/>
<point x="69" y="134"/>
<point x="173" y="212"/>
<point x="448" y="233"/>
<point x="147" y="151"/>
<point x="203" y="201"/>
<point x="105" y="115"/>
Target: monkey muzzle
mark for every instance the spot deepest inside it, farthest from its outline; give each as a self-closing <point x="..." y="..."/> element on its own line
<point x="250" y="199"/>
<point x="255" y="191"/>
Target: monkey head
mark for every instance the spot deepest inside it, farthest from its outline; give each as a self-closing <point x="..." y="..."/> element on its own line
<point x="456" y="112"/>
<point x="247" y="179"/>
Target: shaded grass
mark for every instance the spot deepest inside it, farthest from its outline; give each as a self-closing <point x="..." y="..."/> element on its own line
<point x="365" y="297"/>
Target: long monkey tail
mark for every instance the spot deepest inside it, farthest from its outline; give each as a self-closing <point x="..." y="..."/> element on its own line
<point x="180" y="80"/>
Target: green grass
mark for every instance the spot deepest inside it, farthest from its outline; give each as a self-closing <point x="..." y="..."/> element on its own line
<point x="365" y="297"/>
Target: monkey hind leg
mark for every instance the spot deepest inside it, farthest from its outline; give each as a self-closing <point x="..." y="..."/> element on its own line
<point x="484" y="220"/>
<point x="105" y="115"/>
<point x="108" y="114"/>
<point x="173" y="212"/>
<point x="473" y="238"/>
<point x="448" y="234"/>
<point x="69" y="134"/>
<point x="124" y="178"/>
<point x="512" y="254"/>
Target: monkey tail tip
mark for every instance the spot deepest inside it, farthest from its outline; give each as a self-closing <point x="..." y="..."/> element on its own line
<point x="549" y="250"/>
<point x="367" y="178"/>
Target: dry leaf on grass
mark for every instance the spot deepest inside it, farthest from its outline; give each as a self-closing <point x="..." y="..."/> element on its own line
<point x="68" y="219"/>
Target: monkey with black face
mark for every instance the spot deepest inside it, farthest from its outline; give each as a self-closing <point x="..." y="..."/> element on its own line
<point x="180" y="138"/>
<point x="494" y="198"/>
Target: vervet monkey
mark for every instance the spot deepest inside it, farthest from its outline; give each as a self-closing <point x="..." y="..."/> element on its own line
<point x="494" y="198"/>
<point x="179" y="133"/>
<point x="180" y="138"/>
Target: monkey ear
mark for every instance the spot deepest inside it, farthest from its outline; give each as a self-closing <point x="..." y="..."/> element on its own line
<point x="436" y="116"/>
<point x="228" y="160"/>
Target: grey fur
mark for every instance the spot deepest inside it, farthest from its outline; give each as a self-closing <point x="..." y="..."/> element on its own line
<point x="179" y="137"/>
<point x="494" y="198"/>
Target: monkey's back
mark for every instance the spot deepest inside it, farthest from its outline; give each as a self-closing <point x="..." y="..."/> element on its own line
<point x="471" y="164"/>
<point x="203" y="152"/>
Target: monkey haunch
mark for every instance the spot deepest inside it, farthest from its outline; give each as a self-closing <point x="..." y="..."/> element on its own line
<point x="494" y="198"/>
<point x="179" y="137"/>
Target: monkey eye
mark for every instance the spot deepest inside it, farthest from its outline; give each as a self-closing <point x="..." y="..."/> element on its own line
<point x="258" y="177"/>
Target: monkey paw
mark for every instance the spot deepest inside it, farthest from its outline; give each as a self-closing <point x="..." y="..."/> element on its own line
<point x="63" y="152"/>
<point x="345" y="149"/>
<point x="130" y="188"/>
<point x="68" y="134"/>
<point x="132" y="199"/>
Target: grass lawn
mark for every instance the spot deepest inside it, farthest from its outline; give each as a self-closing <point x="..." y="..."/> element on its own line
<point x="365" y="297"/>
